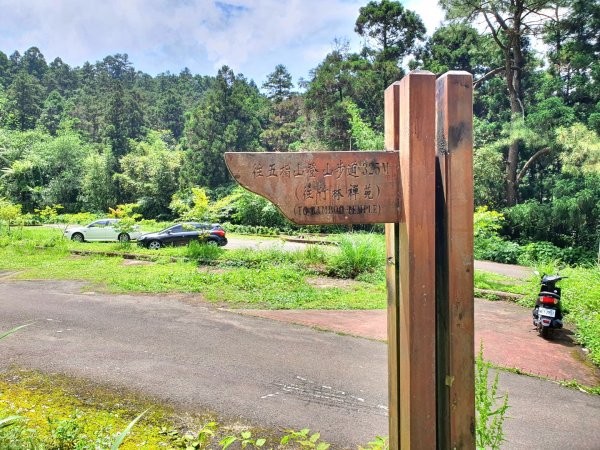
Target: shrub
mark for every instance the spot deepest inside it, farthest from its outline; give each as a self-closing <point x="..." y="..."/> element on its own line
<point x="356" y="254"/>
<point x="49" y="214"/>
<point x="203" y="251"/>
<point x="494" y="248"/>
<point x="313" y="254"/>
<point x="539" y="252"/>
<point x="488" y="245"/>
<point x="10" y="214"/>
<point x="581" y="299"/>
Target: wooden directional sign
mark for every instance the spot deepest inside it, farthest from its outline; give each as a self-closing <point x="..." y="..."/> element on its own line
<point x="324" y="187"/>
<point x="422" y="189"/>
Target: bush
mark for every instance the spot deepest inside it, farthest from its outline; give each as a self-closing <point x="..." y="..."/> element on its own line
<point x="203" y="251"/>
<point x="82" y="218"/>
<point x="581" y="300"/>
<point x="488" y="245"/>
<point x="10" y="214"/>
<point x="245" y="207"/>
<point x="539" y="252"/>
<point x="313" y="254"/>
<point x="356" y="254"/>
<point x="494" y="248"/>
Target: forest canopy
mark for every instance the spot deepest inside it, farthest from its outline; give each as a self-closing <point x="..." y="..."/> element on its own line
<point x="89" y="138"/>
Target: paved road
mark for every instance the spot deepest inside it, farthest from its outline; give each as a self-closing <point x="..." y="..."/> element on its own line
<point x="266" y="372"/>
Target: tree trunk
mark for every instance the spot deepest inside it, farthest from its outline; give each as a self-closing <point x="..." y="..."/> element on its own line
<point x="513" y="59"/>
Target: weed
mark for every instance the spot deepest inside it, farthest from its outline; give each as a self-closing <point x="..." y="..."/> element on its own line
<point x="304" y="439"/>
<point x="313" y="254"/>
<point x="203" y="251"/>
<point x="245" y="440"/>
<point x="379" y="443"/>
<point x="490" y="416"/>
<point x="356" y="254"/>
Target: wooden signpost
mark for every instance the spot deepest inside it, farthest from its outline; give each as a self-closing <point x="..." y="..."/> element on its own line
<point x="421" y="187"/>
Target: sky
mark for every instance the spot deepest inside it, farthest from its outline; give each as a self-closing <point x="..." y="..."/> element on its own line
<point x="251" y="36"/>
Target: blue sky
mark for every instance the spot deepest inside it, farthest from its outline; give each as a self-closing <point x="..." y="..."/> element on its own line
<point x="251" y="36"/>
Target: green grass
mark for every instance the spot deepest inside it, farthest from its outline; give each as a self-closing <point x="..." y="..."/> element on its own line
<point x="259" y="279"/>
<point x="496" y="282"/>
<point x="64" y="413"/>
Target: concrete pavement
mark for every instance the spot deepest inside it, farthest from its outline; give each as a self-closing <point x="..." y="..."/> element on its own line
<point x="508" y="337"/>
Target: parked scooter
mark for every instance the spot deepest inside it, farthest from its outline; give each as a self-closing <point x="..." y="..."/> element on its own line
<point x="547" y="314"/>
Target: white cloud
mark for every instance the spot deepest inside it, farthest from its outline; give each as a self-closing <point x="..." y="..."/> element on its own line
<point x="429" y="10"/>
<point x="162" y="34"/>
<point x="251" y="36"/>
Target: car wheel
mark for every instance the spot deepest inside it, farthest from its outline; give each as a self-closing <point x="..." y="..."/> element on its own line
<point x="124" y="237"/>
<point x="77" y="237"/>
<point x="154" y="245"/>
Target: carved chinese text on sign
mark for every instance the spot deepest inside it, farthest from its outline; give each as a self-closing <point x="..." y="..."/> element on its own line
<point x="323" y="187"/>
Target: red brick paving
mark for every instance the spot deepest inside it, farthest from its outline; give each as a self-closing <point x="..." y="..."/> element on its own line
<point x="506" y="330"/>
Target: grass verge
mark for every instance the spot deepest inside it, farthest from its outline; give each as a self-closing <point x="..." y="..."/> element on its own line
<point x="56" y="411"/>
<point x="246" y="278"/>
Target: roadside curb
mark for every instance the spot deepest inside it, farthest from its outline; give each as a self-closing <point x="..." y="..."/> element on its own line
<point x="497" y="295"/>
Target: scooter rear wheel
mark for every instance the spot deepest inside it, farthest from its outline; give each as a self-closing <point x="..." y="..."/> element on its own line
<point x="545" y="332"/>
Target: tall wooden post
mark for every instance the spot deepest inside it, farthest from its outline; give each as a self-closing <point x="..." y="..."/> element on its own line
<point x="454" y="261"/>
<point x="412" y="396"/>
<point x="392" y="234"/>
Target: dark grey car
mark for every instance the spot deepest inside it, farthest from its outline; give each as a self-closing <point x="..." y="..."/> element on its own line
<point x="183" y="234"/>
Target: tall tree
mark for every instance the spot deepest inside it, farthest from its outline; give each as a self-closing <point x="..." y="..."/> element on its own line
<point x="25" y="99"/>
<point x="331" y="83"/>
<point x="60" y="77"/>
<point x="34" y="63"/>
<point x="279" y="84"/>
<point x="229" y="118"/>
<point x="510" y="23"/>
<point x="53" y="112"/>
<point x="456" y="46"/>
<point x="393" y="30"/>
<point x="4" y="68"/>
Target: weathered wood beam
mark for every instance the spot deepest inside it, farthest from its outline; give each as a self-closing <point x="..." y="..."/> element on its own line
<point x="454" y="261"/>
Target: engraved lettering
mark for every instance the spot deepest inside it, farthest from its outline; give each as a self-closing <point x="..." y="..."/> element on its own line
<point x="353" y="170"/>
<point x="285" y="171"/>
<point x="311" y="169"/>
<point x="340" y="169"/>
<point x="308" y="191"/>
<point x="257" y="171"/>
<point x="299" y="171"/>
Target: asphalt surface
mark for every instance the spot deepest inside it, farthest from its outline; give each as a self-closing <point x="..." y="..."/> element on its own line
<point x="266" y="372"/>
